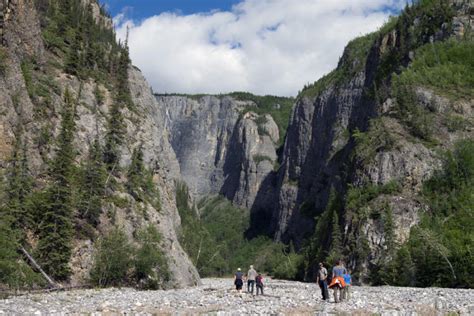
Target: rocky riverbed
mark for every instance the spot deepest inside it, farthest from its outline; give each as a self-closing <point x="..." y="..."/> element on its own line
<point x="217" y="297"/>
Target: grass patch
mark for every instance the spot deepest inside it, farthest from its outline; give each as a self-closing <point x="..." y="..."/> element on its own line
<point x="259" y="158"/>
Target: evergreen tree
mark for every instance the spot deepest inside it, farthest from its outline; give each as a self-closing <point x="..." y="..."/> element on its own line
<point x="56" y="230"/>
<point x="93" y="186"/>
<point x="335" y="251"/>
<point x="114" y="135"/>
<point x="123" y="89"/>
<point x="19" y="186"/>
<point x="73" y="65"/>
<point x="136" y="174"/>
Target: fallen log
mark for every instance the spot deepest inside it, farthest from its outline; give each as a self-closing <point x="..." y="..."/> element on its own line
<point x="36" y="265"/>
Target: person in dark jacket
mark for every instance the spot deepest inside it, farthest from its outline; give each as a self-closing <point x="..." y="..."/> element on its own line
<point x="239" y="280"/>
<point x="322" y="280"/>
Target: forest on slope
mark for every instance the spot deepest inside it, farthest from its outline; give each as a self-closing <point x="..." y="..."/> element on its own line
<point x="81" y="190"/>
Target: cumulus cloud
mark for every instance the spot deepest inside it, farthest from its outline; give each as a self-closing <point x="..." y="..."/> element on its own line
<point x="260" y="46"/>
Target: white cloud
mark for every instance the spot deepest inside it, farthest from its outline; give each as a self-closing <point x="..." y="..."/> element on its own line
<point x="261" y="46"/>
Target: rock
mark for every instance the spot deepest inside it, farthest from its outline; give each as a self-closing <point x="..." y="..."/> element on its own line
<point x="22" y="34"/>
<point x="220" y="150"/>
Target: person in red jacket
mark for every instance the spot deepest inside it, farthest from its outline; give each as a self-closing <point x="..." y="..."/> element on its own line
<point x="259" y="283"/>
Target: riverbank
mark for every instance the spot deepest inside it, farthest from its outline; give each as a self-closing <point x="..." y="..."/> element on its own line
<point x="218" y="297"/>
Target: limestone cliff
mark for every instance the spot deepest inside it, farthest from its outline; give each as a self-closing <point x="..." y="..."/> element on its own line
<point x="324" y="148"/>
<point x="221" y="145"/>
<point x="27" y="67"/>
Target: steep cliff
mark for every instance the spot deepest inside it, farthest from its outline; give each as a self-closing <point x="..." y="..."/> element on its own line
<point x="222" y="145"/>
<point x="375" y="124"/>
<point x="33" y="82"/>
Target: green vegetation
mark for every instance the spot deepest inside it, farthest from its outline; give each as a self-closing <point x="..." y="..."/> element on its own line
<point x="118" y="262"/>
<point x="259" y="158"/>
<point x="439" y="250"/>
<point x="376" y="138"/>
<point x="278" y="107"/>
<point x="216" y="244"/>
<point x="19" y="186"/>
<point x="86" y="45"/>
<point x="151" y="267"/>
<point x="16" y="274"/>
<point x="140" y="180"/>
<point x="55" y="229"/>
<point x="447" y="67"/>
<point x="112" y="260"/>
<point x="66" y="201"/>
<point x="93" y="185"/>
<point x="327" y="243"/>
<point x="352" y="61"/>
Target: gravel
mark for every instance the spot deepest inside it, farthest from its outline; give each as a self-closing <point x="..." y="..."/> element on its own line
<point x="218" y="297"/>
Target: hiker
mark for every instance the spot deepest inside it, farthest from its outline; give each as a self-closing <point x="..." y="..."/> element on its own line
<point x="251" y="275"/>
<point x="337" y="282"/>
<point x="321" y="279"/>
<point x="348" y="280"/>
<point x="238" y="280"/>
<point x="259" y="283"/>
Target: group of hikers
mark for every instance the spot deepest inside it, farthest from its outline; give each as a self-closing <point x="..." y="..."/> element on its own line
<point x="253" y="279"/>
<point x="340" y="281"/>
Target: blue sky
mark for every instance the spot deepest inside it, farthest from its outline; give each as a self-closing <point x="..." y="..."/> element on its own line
<point x="140" y="9"/>
<point x="260" y="46"/>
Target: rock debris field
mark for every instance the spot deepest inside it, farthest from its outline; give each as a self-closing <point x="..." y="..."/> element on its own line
<point x="217" y="297"/>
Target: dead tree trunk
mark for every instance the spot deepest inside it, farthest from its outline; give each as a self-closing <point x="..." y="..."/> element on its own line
<point x="36" y="265"/>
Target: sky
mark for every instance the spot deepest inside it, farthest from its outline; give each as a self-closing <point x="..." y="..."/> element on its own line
<point x="260" y="46"/>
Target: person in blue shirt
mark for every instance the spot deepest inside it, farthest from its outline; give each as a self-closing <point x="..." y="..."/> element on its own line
<point x="345" y="290"/>
<point x="338" y="272"/>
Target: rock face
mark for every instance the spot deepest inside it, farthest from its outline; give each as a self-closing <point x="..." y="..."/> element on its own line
<point x="320" y="153"/>
<point x="221" y="145"/>
<point x="145" y="127"/>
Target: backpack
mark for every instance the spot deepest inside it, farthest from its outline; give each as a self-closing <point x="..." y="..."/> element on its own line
<point x="347" y="278"/>
<point x="259" y="280"/>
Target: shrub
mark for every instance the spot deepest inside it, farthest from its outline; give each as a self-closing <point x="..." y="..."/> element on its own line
<point x="112" y="260"/>
<point x="376" y="138"/>
<point x="259" y="158"/>
<point x="151" y="268"/>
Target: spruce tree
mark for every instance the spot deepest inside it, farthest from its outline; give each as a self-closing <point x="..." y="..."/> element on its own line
<point x="389" y="231"/>
<point x="114" y="136"/>
<point x="335" y="251"/>
<point x="136" y="174"/>
<point x="19" y="186"/>
<point x="73" y="59"/>
<point x="93" y="186"/>
<point x="56" y="229"/>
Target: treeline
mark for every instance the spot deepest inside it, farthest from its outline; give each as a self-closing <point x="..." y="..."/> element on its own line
<point x="85" y="43"/>
<point x="216" y="244"/>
